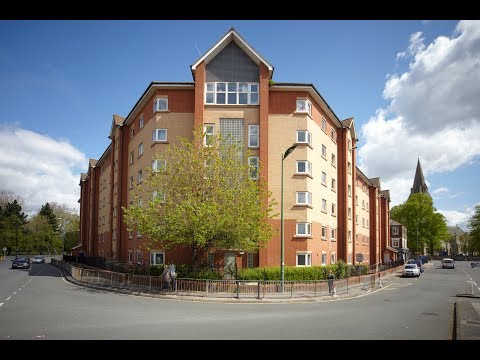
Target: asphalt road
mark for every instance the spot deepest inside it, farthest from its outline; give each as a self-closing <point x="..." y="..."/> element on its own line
<point x="40" y="304"/>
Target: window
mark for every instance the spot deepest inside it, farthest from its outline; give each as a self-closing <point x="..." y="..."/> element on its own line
<point x="349" y="212"/>
<point x="132" y="132"/>
<point x="138" y="256"/>
<point x="304" y="137"/>
<point x="334" y="161"/>
<point x="349" y="236"/>
<point x="332" y="134"/>
<point x="396" y="242"/>
<point x="130" y="235"/>
<point x="333" y="232"/>
<point x="253" y="167"/>
<point x="349" y="144"/>
<point x="356" y="199"/>
<point x="139" y="178"/>
<point x="324" y="125"/>
<point x="349" y="167"/>
<point x="114" y="211"/>
<point x="159" y="135"/>
<point x="231" y="93"/>
<point x="304" y="167"/>
<point x="356" y="219"/>
<point x="140" y="122"/>
<point x="324" y="232"/>
<point x="157" y="258"/>
<point x="333" y="184"/>
<point x="333" y="209"/>
<point x="131" y="182"/>
<point x="324" y="151"/>
<point x="333" y="256"/>
<point x="349" y="190"/>
<point x="363" y="204"/>
<point x="116" y="165"/>
<point x="304" y="229"/>
<point x="324" y="259"/>
<point x="304" y="198"/>
<point x="140" y="150"/>
<point x="139" y="234"/>
<point x="304" y="106"/>
<point x="253" y="136"/>
<point x="132" y="157"/>
<point x="211" y="260"/>
<point x="250" y="261"/>
<point x="304" y="259"/>
<point x="356" y="239"/>
<point x="324" y="178"/>
<point x="324" y="205"/>
<point x="366" y="206"/>
<point x="159" y="195"/>
<point x="395" y="231"/>
<point x="160" y="104"/>
<point x="140" y="202"/>
<point x="130" y="256"/>
<point x="159" y="165"/>
<point x="367" y="223"/>
<point x="363" y="222"/>
<point x="208" y="130"/>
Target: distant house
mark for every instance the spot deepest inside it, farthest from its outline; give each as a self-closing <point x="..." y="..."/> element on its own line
<point x="398" y="241"/>
<point x="453" y="246"/>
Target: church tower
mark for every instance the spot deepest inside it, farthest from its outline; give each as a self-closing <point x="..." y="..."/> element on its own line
<point x="419" y="185"/>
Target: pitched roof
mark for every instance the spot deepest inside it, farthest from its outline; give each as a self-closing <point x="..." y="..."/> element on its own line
<point x="393" y="222"/>
<point x="231" y="35"/>
<point x="376" y="182"/>
<point x="455" y="230"/>
<point x="350" y="124"/>
<point x="92" y="162"/>
<point x="419" y="185"/>
<point x="386" y="193"/>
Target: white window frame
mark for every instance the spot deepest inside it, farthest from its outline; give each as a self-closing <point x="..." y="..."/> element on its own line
<point x="349" y="236"/>
<point x="307" y="136"/>
<point x="324" y="151"/>
<point x="334" y="184"/>
<point x="308" y="229"/>
<point x="303" y="106"/>
<point x="156" y="135"/>
<point x="139" y="176"/>
<point x="140" y="149"/>
<point x="324" y="232"/>
<point x="324" y="178"/>
<point x="160" y="104"/>
<point x="141" y="122"/>
<point x="308" y="258"/>
<point x="396" y="242"/>
<point x="324" y="205"/>
<point x="349" y="190"/>
<point x="324" y="258"/>
<point x="249" y="90"/>
<point x="333" y="258"/>
<point x="333" y="234"/>
<point x="349" y="167"/>
<point x="208" y="133"/>
<point x="130" y="256"/>
<point x="324" y="125"/>
<point x="254" y="167"/>
<point x="159" y="195"/>
<point x="153" y="258"/>
<point x="308" y="167"/>
<point x="159" y="165"/>
<point x="253" y="136"/>
<point x="131" y="182"/>
<point x="332" y="134"/>
<point x="308" y="198"/>
<point x="349" y="212"/>
<point x="334" y="160"/>
<point x="395" y="230"/>
<point x="333" y="208"/>
<point x="132" y="157"/>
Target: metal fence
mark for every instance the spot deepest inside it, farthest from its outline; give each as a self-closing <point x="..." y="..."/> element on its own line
<point x="228" y="288"/>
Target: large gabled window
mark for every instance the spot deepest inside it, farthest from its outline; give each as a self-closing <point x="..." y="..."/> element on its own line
<point x="231" y="93"/>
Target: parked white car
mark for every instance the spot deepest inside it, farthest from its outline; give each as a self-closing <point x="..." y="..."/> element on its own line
<point x="448" y="263"/>
<point x="411" y="270"/>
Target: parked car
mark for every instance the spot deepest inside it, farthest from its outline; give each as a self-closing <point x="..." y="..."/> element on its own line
<point x="21" y="262"/>
<point x="418" y="262"/>
<point x="411" y="270"/>
<point x="38" y="260"/>
<point x="448" y="263"/>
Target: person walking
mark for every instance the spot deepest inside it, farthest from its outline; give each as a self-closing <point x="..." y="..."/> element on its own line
<point x="173" y="275"/>
<point x="331" y="282"/>
<point x="166" y="278"/>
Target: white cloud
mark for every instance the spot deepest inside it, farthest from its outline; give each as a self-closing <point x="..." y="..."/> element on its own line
<point x="440" y="190"/>
<point x="459" y="218"/>
<point x="434" y="113"/>
<point x="39" y="169"/>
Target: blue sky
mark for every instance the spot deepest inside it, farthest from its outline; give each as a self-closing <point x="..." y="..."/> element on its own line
<point x="411" y="86"/>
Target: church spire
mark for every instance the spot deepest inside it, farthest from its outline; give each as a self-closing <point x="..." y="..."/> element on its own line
<point x="419" y="185"/>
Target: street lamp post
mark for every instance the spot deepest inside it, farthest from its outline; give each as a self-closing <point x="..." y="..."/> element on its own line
<point x="282" y="246"/>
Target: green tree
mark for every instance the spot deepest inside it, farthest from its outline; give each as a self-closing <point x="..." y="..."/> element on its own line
<point x="42" y="238"/>
<point x="426" y="228"/>
<point x="12" y="220"/>
<point x="202" y="197"/>
<point x="68" y="224"/>
<point x="474" y="230"/>
<point x="47" y="211"/>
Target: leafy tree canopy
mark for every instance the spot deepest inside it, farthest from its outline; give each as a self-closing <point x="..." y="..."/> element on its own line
<point x="474" y="230"/>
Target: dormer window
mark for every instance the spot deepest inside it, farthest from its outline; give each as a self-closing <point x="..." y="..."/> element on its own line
<point x="304" y="106"/>
<point x="231" y="93"/>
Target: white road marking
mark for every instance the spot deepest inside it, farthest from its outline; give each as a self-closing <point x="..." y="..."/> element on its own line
<point x="14" y="292"/>
<point x="8" y="298"/>
<point x="1" y="304"/>
<point x="19" y="289"/>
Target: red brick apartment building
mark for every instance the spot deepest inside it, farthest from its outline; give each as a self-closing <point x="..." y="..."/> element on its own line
<point x="332" y="210"/>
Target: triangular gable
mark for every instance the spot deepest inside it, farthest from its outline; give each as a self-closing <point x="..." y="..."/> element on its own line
<point x="350" y="124"/>
<point x="116" y="121"/>
<point x="230" y="36"/>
